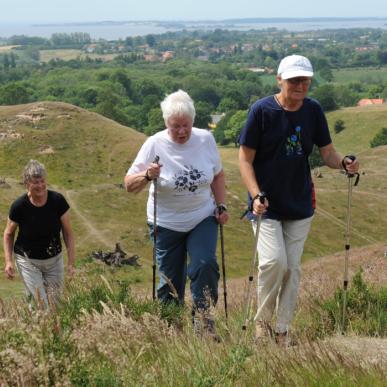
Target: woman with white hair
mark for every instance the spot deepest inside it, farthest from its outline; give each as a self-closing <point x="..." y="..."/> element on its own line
<point x="40" y="215"/>
<point x="275" y="144"/>
<point x="191" y="198"/>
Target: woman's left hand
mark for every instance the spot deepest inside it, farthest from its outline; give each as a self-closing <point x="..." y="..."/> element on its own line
<point x="70" y="270"/>
<point x="221" y="215"/>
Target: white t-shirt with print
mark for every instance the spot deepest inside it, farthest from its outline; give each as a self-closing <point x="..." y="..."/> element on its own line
<point x="184" y="196"/>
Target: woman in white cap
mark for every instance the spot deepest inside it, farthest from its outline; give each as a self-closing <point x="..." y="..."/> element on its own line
<point x="275" y="143"/>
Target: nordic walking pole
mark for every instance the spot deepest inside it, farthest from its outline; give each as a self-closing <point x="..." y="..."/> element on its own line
<point x="347" y="238"/>
<point x="261" y="198"/>
<point x="220" y="210"/>
<point x="155" y="161"/>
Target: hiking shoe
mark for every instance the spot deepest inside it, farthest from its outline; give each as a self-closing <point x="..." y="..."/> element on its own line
<point x="210" y="330"/>
<point x="205" y="327"/>
<point x="263" y="332"/>
<point x="197" y="326"/>
<point x="283" y="339"/>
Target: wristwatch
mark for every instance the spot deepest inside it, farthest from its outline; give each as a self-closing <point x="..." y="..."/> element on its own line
<point x="221" y="208"/>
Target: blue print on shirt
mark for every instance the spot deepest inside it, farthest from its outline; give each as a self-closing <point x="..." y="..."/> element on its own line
<point x="189" y="179"/>
<point x="293" y="144"/>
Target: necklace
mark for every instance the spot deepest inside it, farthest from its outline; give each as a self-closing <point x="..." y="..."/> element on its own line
<point x="278" y="102"/>
<point x="282" y="106"/>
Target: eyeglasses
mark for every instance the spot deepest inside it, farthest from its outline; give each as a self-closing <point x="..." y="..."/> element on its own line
<point x="297" y="80"/>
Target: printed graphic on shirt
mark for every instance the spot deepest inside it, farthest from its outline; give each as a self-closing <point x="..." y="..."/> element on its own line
<point x="189" y="179"/>
<point x="293" y="144"/>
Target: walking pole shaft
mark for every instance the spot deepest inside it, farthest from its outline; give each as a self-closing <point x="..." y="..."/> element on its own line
<point x="261" y="198"/>
<point x="223" y="270"/>
<point x="347" y="248"/>
<point x="347" y="239"/>
<point x="156" y="160"/>
<point x="251" y="277"/>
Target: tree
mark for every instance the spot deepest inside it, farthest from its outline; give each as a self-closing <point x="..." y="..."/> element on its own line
<point x="15" y="93"/>
<point x="155" y="122"/>
<point x="221" y="127"/>
<point x="227" y="104"/>
<point x="121" y="77"/>
<point x="325" y="94"/>
<point x="6" y="62"/>
<point x="203" y="114"/>
<point x="234" y="127"/>
<point x="150" y="40"/>
<point x="339" y="126"/>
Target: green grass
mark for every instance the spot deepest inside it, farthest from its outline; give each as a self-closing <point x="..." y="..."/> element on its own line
<point x="101" y="334"/>
<point x="362" y="74"/>
<point x="69" y="54"/>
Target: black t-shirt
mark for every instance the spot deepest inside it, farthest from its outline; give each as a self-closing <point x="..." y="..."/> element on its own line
<point x="39" y="227"/>
<point x="283" y="141"/>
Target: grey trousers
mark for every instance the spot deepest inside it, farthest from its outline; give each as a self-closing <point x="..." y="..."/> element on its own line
<point x="280" y="247"/>
<point x="43" y="278"/>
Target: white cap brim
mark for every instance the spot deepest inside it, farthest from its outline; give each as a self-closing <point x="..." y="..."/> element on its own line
<point x="296" y="73"/>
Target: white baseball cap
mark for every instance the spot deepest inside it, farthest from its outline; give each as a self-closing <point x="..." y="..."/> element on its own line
<point x="295" y="66"/>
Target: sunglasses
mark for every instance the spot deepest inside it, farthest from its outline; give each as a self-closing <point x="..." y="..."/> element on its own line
<point x="297" y="80"/>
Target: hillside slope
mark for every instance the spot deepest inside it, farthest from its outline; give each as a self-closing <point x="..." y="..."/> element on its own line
<point x="86" y="156"/>
<point x="361" y="125"/>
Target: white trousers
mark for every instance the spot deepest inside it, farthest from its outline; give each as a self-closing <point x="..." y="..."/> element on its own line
<point x="43" y="278"/>
<point x="280" y="247"/>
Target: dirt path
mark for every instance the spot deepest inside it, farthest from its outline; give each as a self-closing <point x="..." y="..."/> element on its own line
<point x="92" y="231"/>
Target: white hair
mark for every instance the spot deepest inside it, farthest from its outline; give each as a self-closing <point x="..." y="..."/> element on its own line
<point x="178" y="103"/>
<point x="33" y="169"/>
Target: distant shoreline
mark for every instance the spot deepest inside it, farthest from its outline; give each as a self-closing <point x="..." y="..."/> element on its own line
<point x="214" y="21"/>
<point x="115" y="30"/>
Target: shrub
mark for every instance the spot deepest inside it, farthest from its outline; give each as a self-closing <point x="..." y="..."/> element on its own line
<point x="380" y="138"/>
<point x="339" y="126"/>
<point x="366" y="308"/>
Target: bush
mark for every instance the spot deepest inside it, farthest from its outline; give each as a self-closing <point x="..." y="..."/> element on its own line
<point x="366" y="309"/>
<point x="379" y="139"/>
<point x="339" y="126"/>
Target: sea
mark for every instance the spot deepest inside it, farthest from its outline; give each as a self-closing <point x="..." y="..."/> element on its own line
<point x="114" y="30"/>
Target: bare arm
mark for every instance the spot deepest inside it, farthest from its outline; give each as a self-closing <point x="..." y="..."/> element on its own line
<point x="333" y="159"/>
<point x="218" y="187"/>
<point x="9" y="237"/>
<point x="246" y="158"/>
<point x="68" y="237"/>
<point x="138" y="181"/>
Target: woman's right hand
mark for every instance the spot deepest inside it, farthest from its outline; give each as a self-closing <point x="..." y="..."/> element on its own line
<point x="9" y="270"/>
<point x="153" y="171"/>
<point x="260" y="208"/>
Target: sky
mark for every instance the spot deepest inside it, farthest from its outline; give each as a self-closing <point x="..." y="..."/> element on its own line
<point x="54" y="11"/>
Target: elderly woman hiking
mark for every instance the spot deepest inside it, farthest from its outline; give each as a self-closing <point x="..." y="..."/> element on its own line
<point x="40" y="215"/>
<point x="190" y="204"/>
<point x="275" y="143"/>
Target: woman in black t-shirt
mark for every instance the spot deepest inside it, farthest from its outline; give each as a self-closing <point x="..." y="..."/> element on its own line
<point x="40" y="215"/>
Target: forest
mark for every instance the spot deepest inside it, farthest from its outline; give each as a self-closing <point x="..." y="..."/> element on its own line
<point x="224" y="71"/>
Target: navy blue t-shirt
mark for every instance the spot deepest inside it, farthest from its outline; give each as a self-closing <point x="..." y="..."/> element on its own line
<point x="283" y="140"/>
<point x="39" y="227"/>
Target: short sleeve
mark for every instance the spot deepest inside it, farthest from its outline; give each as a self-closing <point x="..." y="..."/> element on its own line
<point x="249" y="134"/>
<point x="15" y="212"/>
<point x="143" y="157"/>
<point x="322" y="135"/>
<point x="216" y="160"/>
<point x="62" y="204"/>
